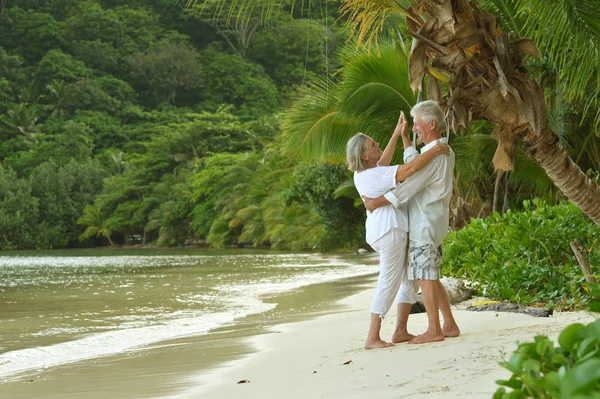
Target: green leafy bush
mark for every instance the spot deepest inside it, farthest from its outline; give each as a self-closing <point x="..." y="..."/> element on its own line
<point x="525" y="257"/>
<point x="570" y="370"/>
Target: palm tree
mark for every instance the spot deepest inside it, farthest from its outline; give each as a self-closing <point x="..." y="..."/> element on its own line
<point x="477" y="71"/>
<point x="96" y="224"/>
<point x="58" y="92"/>
<point x="461" y="46"/>
<point x="22" y="119"/>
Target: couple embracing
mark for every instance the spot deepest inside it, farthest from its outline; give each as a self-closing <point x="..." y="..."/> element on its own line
<point x="407" y="222"/>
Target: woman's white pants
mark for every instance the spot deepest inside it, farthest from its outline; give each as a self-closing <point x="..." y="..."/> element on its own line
<point x="393" y="272"/>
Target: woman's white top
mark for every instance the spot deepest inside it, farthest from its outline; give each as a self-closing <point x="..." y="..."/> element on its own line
<point x="373" y="183"/>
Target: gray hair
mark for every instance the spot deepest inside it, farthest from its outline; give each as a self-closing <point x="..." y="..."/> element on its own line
<point x="355" y="148"/>
<point x="430" y="111"/>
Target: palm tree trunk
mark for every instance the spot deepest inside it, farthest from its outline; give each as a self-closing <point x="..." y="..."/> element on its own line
<point x="112" y="244"/>
<point x="566" y="175"/>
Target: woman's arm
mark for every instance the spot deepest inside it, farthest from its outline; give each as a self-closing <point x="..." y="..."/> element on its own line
<point x="420" y="161"/>
<point x="388" y="153"/>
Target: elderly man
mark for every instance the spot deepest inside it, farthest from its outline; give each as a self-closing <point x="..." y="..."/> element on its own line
<point x="427" y="193"/>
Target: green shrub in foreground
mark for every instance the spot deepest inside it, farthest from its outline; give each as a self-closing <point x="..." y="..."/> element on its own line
<point x="525" y="257"/>
<point x="569" y="371"/>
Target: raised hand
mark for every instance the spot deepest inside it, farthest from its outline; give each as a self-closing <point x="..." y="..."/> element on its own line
<point x="401" y="126"/>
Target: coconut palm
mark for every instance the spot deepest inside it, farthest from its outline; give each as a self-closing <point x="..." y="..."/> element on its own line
<point x="96" y="224"/>
<point x="22" y="120"/>
<point x="459" y="45"/>
<point x="477" y="71"/>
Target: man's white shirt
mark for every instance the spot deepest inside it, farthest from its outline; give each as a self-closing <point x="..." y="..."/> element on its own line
<point x="427" y="193"/>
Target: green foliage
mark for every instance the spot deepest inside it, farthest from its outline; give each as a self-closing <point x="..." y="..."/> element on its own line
<point x="171" y="218"/>
<point x="372" y="90"/>
<point x="18" y="212"/>
<point x="41" y="211"/>
<point x="232" y="80"/>
<point x="211" y="187"/>
<point x="166" y="72"/>
<point x="525" y="256"/>
<point x="570" y="370"/>
<point x="293" y="52"/>
<point x="314" y="185"/>
<point x="63" y="193"/>
<point x="30" y="34"/>
<point x="72" y="142"/>
<point x="57" y="65"/>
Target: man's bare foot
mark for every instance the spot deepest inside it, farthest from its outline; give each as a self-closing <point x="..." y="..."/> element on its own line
<point x="451" y="331"/>
<point x="378" y="343"/>
<point x="402" y="337"/>
<point x="427" y="337"/>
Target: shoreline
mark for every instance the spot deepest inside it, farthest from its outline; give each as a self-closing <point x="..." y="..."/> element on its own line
<point x="172" y="366"/>
<point x="307" y="359"/>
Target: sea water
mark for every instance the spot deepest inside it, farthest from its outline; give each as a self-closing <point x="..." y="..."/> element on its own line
<point x="59" y="308"/>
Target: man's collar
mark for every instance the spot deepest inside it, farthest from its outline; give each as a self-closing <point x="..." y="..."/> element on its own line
<point x="431" y="144"/>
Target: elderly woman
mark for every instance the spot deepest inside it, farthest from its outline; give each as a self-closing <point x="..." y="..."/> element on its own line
<point x="387" y="226"/>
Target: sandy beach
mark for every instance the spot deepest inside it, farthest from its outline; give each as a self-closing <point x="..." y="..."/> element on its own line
<point x="308" y="359"/>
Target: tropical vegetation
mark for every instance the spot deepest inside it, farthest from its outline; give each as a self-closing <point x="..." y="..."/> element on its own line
<point x="146" y="122"/>
<point x="224" y="123"/>
<point x="570" y="370"/>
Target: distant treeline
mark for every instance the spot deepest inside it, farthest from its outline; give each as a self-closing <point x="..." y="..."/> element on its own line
<point x="139" y="122"/>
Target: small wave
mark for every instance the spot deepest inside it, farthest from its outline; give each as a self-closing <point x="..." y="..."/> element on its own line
<point x="114" y="342"/>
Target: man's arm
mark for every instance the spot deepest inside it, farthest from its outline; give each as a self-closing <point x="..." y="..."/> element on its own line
<point x="404" y="191"/>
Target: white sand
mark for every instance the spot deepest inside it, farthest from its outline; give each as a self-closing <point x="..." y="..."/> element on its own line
<point x="306" y="359"/>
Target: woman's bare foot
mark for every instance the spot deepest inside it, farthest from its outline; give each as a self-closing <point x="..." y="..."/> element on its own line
<point x="451" y="331"/>
<point x="377" y="343"/>
<point x="427" y="337"/>
<point x="402" y="337"/>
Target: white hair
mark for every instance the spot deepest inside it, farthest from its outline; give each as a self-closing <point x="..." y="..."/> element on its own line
<point x="430" y="111"/>
<point x="355" y="149"/>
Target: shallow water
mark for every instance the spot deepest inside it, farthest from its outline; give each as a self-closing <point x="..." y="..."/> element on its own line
<point x="60" y="309"/>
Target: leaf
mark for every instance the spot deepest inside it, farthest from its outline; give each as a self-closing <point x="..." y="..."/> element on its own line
<point x="434" y="91"/>
<point x="592" y="330"/>
<point x="588" y="346"/>
<point x="527" y="46"/>
<point x="416" y="64"/>
<point x="570" y="335"/>
<point x="512" y="383"/>
<point x="581" y="378"/>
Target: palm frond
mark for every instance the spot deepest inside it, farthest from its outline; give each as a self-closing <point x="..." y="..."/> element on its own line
<point x="238" y="11"/>
<point x="568" y="33"/>
<point x="529" y="178"/>
<point x="374" y="89"/>
<point x="505" y="10"/>
<point x="367" y="17"/>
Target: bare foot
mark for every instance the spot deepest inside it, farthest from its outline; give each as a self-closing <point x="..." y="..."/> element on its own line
<point x="377" y="343"/>
<point x="451" y="331"/>
<point x="427" y="337"/>
<point x="402" y="337"/>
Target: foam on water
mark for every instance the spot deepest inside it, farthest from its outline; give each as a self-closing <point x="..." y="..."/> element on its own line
<point x="113" y="342"/>
<point x="135" y="332"/>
